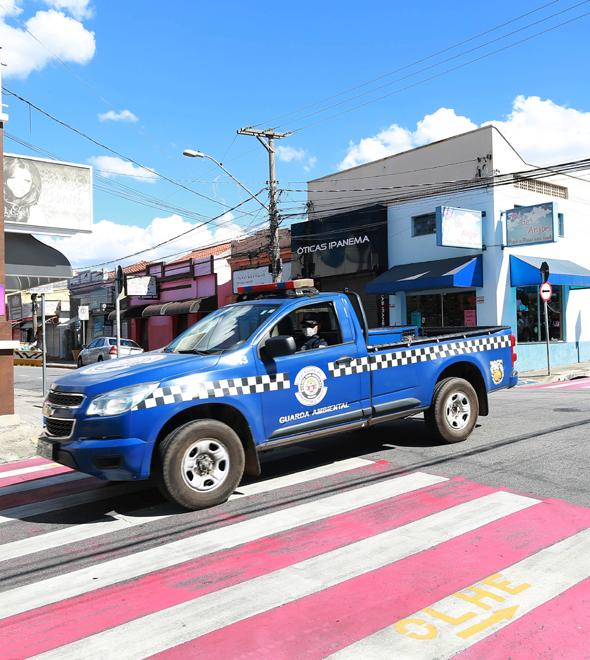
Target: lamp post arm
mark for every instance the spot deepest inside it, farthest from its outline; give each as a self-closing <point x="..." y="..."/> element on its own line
<point x="233" y="178"/>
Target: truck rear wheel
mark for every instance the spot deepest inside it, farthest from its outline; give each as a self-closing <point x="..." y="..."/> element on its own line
<point x="454" y="410"/>
<point x="200" y="464"/>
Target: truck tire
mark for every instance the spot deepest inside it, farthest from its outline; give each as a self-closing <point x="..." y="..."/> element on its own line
<point x="454" y="410"/>
<point x="200" y="464"/>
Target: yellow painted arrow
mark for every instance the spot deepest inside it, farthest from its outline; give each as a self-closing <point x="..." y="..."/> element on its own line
<point x="496" y="617"/>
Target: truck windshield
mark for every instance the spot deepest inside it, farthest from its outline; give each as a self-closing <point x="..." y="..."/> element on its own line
<point x="223" y="330"/>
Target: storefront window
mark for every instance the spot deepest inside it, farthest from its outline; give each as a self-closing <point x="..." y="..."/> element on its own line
<point x="455" y="309"/>
<point x="529" y="314"/>
<point x="424" y="224"/>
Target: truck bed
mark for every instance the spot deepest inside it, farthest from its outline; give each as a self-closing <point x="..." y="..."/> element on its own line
<point x="402" y="336"/>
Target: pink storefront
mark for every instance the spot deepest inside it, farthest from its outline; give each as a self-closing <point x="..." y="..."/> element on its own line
<point x="186" y="291"/>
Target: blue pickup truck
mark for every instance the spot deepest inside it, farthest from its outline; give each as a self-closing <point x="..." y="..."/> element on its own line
<point x="246" y="378"/>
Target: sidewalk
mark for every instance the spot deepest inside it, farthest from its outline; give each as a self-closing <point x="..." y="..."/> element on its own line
<point x="559" y="373"/>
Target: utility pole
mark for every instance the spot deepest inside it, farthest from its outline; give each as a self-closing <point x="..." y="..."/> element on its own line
<point x="6" y="343"/>
<point x="266" y="138"/>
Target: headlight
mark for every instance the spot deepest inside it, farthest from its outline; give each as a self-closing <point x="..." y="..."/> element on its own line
<point x="121" y="400"/>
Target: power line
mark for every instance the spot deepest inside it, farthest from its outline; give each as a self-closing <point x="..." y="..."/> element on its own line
<point x="109" y="149"/>
<point x="272" y="121"/>
<point x="443" y="73"/>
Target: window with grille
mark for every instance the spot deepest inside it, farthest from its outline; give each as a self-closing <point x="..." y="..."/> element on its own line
<point x="542" y="187"/>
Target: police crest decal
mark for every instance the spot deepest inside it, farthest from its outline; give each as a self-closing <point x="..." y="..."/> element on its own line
<point x="497" y="371"/>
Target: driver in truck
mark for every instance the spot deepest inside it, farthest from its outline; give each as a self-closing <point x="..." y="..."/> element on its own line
<point x="310" y="327"/>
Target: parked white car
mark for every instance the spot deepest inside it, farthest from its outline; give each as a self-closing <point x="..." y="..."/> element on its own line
<point x="105" y="348"/>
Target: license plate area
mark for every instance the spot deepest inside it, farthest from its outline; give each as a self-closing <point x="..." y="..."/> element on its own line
<point x="45" y="449"/>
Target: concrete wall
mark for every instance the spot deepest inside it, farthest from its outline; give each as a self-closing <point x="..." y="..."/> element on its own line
<point x="452" y="159"/>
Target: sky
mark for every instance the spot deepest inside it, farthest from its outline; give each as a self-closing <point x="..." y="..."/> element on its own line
<point x="351" y="82"/>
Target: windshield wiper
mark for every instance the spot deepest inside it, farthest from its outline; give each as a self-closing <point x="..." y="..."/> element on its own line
<point x="193" y="351"/>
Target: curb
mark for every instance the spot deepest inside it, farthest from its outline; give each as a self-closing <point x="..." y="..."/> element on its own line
<point x="557" y="378"/>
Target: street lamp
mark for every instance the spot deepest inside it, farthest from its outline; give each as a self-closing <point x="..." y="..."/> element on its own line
<point x="193" y="153"/>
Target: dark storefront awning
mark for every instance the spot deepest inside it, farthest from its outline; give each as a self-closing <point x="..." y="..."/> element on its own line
<point x="31" y="263"/>
<point x="441" y="274"/>
<point x="524" y="271"/>
<point x="173" y="308"/>
<point x="129" y="313"/>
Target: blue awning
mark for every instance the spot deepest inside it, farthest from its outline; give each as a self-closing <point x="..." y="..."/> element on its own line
<point x="524" y="271"/>
<point x="465" y="272"/>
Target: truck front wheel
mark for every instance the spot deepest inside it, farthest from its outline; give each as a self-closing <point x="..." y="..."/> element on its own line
<point x="454" y="410"/>
<point x="200" y="464"/>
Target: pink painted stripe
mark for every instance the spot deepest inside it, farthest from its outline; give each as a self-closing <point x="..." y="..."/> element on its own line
<point x="33" y="476"/>
<point x="52" y="626"/>
<point x="327" y="621"/>
<point x="557" y="629"/>
<point x="577" y="384"/>
<point x="43" y="493"/>
<point x="17" y="465"/>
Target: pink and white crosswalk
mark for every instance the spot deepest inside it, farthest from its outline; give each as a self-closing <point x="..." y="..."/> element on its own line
<point x="347" y="559"/>
<point x="568" y="385"/>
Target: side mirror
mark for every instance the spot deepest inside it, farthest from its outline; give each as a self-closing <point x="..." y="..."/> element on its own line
<point x="84" y="346"/>
<point x="278" y="346"/>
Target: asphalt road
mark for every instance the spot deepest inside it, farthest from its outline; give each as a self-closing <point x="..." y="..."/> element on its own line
<point x="534" y="440"/>
<point x="380" y="538"/>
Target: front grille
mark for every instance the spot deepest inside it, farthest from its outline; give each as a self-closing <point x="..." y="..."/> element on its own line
<point x="59" y="428"/>
<point x="65" y="399"/>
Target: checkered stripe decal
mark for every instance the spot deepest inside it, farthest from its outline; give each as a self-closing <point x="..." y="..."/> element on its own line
<point x="168" y="394"/>
<point x="418" y="354"/>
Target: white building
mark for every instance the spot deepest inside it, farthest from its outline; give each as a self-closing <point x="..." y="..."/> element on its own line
<point x="432" y="285"/>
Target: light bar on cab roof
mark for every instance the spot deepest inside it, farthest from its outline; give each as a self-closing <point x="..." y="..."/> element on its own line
<point x="277" y="286"/>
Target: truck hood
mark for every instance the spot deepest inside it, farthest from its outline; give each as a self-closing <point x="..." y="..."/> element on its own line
<point x="147" y="367"/>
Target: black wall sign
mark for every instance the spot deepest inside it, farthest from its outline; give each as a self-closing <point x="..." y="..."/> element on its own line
<point x="353" y="242"/>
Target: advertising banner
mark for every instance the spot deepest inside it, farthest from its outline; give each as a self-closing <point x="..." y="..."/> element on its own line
<point x="260" y="275"/>
<point x="15" y="307"/>
<point x="2" y="304"/>
<point x="142" y="286"/>
<point x="528" y="225"/>
<point x="460" y="228"/>
<point x="46" y="196"/>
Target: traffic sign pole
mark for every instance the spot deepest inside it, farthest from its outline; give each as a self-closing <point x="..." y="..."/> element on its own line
<point x="545" y="293"/>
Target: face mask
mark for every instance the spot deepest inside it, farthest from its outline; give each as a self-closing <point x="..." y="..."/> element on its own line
<point x="310" y="332"/>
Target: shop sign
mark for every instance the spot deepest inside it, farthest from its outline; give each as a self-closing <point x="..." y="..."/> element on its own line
<point x="528" y="225"/>
<point x="260" y="275"/>
<point x="15" y="308"/>
<point x="46" y="196"/>
<point x="141" y="286"/>
<point x="460" y="228"/>
<point x="343" y="244"/>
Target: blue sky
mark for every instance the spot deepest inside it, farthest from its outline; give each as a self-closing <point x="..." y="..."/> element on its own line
<point x="188" y="74"/>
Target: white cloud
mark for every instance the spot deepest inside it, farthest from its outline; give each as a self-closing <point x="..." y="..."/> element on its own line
<point x="110" y="240"/>
<point x="310" y="164"/>
<point x="541" y="130"/>
<point x="77" y="8"/>
<point x="290" y="154"/>
<point x="544" y="132"/>
<point x="10" y="8"/>
<point x="111" y="166"/>
<point x="394" y="139"/>
<point x="59" y="36"/>
<point x="114" y="115"/>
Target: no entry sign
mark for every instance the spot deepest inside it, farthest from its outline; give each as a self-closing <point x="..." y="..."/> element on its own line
<point x="545" y="292"/>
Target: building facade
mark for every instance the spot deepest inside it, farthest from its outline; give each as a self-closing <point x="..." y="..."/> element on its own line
<point x="527" y="217"/>
<point x="250" y="259"/>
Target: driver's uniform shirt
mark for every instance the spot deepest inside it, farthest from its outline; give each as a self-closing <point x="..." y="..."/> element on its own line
<point x="314" y="342"/>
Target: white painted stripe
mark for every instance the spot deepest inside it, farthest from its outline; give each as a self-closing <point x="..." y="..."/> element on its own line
<point x="175" y="625"/>
<point x="301" y="477"/>
<point x="547" y="574"/>
<point x="67" y="502"/>
<point x="117" y="522"/>
<point x="111" y="572"/>
<point x="43" y="483"/>
<point x="29" y="470"/>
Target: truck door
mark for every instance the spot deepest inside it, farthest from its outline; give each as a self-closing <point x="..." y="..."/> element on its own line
<point x="315" y="398"/>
